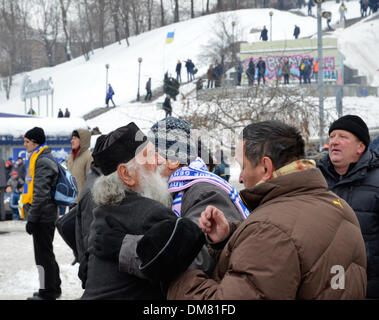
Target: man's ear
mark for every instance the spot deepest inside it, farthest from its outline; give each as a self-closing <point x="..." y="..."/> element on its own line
<point x="126" y="175"/>
<point x="173" y="164"/>
<point x="268" y="167"/>
<point x="361" y="148"/>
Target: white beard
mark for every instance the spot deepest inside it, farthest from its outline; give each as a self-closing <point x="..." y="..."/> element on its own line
<point x="154" y="186"/>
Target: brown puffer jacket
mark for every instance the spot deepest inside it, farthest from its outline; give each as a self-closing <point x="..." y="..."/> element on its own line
<point x="287" y="248"/>
<point x="80" y="167"/>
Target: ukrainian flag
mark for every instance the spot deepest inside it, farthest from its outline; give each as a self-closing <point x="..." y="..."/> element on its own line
<point x="170" y="37"/>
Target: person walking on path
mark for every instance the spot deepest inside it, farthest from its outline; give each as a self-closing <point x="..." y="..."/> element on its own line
<point x="149" y="94"/>
<point x="40" y="211"/>
<point x="110" y="94"/>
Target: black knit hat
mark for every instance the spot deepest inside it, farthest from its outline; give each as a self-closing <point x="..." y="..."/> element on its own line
<point x="169" y="247"/>
<point x="37" y="135"/>
<point x="119" y="146"/>
<point x="353" y="124"/>
<point x="172" y="139"/>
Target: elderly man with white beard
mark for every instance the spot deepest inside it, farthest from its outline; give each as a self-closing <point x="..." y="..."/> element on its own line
<point x="127" y="195"/>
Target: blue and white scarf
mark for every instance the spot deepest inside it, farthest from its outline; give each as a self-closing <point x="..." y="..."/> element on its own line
<point x="197" y="172"/>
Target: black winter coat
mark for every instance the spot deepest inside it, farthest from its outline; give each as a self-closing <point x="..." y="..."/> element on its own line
<point x="43" y="209"/>
<point x="104" y="280"/>
<point x="360" y="188"/>
<point x="83" y="220"/>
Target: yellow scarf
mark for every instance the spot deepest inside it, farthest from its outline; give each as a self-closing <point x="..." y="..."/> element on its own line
<point x="27" y="196"/>
<point x="295" y="166"/>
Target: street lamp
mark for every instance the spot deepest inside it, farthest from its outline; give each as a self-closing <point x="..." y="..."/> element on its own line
<point x="139" y="77"/>
<point x="233" y="53"/>
<point x="320" y="73"/>
<point x="106" y="79"/>
<point x="271" y="13"/>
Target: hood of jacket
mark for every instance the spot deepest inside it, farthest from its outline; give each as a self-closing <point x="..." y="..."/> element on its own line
<point x="85" y="140"/>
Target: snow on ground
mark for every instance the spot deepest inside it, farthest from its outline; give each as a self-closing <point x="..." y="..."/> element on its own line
<point x="80" y="85"/>
<point x="18" y="272"/>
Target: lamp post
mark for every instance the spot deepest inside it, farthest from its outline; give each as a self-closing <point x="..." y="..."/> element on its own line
<point x="233" y="53"/>
<point x="271" y="13"/>
<point x="106" y="79"/>
<point x="139" y="77"/>
<point x="320" y="73"/>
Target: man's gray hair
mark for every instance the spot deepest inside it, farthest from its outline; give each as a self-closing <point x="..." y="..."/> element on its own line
<point x="110" y="190"/>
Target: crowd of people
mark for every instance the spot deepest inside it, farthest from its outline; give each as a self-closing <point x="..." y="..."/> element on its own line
<point x="146" y="202"/>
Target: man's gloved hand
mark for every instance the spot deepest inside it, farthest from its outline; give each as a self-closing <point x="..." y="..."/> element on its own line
<point x="30" y="227"/>
<point x="108" y="239"/>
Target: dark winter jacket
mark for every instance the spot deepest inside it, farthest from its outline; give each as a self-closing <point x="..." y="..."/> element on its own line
<point x="178" y="68"/>
<point x="167" y="105"/>
<point x="360" y="188"/>
<point x="104" y="280"/>
<point x="296" y="32"/>
<point x="83" y="220"/>
<point x="263" y="36"/>
<point x="43" y="209"/>
<point x="286" y="249"/>
<point x="261" y="66"/>
<point x="194" y="202"/>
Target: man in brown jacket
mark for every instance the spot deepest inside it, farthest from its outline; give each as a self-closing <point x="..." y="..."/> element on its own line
<point x="301" y="240"/>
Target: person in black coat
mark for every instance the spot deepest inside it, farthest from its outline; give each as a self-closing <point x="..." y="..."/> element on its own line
<point x="41" y="212"/>
<point x="351" y="170"/>
<point x="178" y="70"/>
<point x="250" y="72"/>
<point x="264" y="34"/>
<point x="128" y="163"/>
<point x="296" y="31"/>
<point x="148" y="90"/>
<point x="167" y="106"/>
<point x="261" y="66"/>
<point x="60" y="113"/>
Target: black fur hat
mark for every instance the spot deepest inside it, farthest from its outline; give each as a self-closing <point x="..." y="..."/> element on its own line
<point x="119" y="146"/>
<point x="169" y="247"/>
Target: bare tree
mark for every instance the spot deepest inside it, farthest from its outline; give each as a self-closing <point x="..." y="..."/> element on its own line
<point x="176" y="11"/>
<point x="162" y="14"/>
<point x="115" y="11"/>
<point x="65" y="6"/>
<point x="229" y="109"/>
<point x="125" y="12"/>
<point x="192" y="10"/>
<point x="149" y="9"/>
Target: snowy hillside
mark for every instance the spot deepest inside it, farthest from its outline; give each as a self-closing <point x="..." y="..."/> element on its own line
<point x="80" y="85"/>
